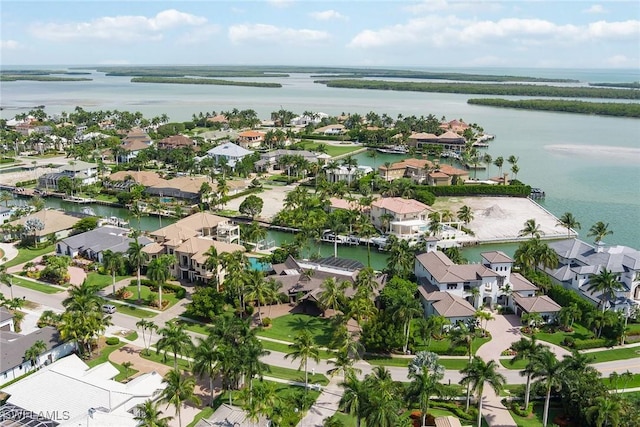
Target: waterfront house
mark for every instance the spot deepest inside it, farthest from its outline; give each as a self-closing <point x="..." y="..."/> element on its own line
<point x="124" y="180"/>
<point x="457" y="126"/>
<point x="579" y="261"/>
<point x="335" y="129"/>
<point x="415" y="169"/>
<point x="250" y="139"/>
<point x="83" y="172"/>
<point x="403" y="218"/>
<point x="269" y="160"/>
<point x="346" y="173"/>
<point x="68" y="393"/>
<point x="93" y="243"/>
<point x="13" y="347"/>
<point x="189" y="238"/>
<point x="448" y="140"/>
<point x="181" y="187"/>
<point x="55" y="222"/>
<point x="230" y="152"/>
<point x="491" y="283"/>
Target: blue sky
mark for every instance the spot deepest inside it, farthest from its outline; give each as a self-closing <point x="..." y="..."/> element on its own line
<point x="434" y="33"/>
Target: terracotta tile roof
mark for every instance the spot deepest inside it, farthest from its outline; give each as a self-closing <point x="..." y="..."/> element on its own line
<point x="218" y="119"/>
<point x="496" y="256"/>
<point x="250" y="134"/>
<point x="198" y="246"/>
<point x="438" y="175"/>
<point x="399" y="205"/>
<point x="337" y="203"/>
<point x="519" y="283"/>
<point x="134" y="145"/>
<point x="451" y="171"/>
<point x="176" y="141"/>
<point x="445" y="271"/>
<point x="541" y="304"/>
<point x="447" y="304"/>
<point x="188" y="227"/>
<point x="450" y="135"/>
<point x="146" y="178"/>
<point x="423" y="135"/>
<point x="413" y="163"/>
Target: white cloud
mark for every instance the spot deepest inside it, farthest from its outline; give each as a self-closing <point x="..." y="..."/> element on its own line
<point x="200" y="34"/>
<point x="327" y="15"/>
<point x="429" y="6"/>
<point x="118" y="28"/>
<point x="452" y="31"/>
<point x="596" y="9"/>
<point x="619" y="61"/>
<point x="9" y="45"/>
<point x="270" y="33"/>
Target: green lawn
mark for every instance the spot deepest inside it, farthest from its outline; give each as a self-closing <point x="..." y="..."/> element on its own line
<point x="102" y="280"/>
<point x="332" y="150"/>
<point x="104" y="357"/>
<point x="622" y="384"/>
<point x="350" y="421"/>
<point x="284" y="348"/>
<point x="195" y="327"/>
<point x="579" y="333"/>
<point x="455" y="364"/>
<point x="36" y="286"/>
<point x="287" y="327"/>
<point x="535" y="419"/>
<point x="146" y="293"/>
<point x="131" y="336"/>
<point x="295" y="375"/>
<point x="25" y="255"/>
<point x="182" y="364"/>
<point x="133" y="311"/>
<point x="443" y="346"/>
<point x="615" y="354"/>
<point x="519" y="365"/>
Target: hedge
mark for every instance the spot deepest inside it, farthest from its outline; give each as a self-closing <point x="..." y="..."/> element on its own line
<point x="592" y="343"/>
<point x="112" y="340"/>
<point x="479" y="190"/>
<point x="566" y="297"/>
<point x="25" y="183"/>
<point x="457" y="410"/>
<point x="167" y="287"/>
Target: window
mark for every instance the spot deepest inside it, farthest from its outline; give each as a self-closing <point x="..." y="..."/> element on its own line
<point x="487" y="286"/>
<point x="452" y="286"/>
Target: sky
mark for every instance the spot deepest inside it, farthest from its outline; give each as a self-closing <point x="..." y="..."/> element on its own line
<point x="434" y="33"/>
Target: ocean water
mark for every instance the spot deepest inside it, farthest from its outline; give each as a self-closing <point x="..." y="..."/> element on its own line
<point x="587" y="165"/>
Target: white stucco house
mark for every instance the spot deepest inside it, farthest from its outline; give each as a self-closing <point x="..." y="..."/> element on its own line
<point x="232" y="153"/>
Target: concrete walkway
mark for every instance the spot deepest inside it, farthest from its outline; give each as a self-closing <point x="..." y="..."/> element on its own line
<point x="10" y="252"/>
<point x="325" y="406"/>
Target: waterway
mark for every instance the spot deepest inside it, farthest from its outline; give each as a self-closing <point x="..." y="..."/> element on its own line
<point x="558" y="152"/>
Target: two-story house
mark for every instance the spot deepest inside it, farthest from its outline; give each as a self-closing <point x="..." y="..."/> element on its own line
<point x="230" y="152"/>
<point x="84" y="173"/>
<point x="579" y="261"/>
<point x="250" y="139"/>
<point x="470" y="286"/>
<point x="403" y="218"/>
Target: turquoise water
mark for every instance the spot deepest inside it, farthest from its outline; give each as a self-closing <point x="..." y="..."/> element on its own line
<point x="593" y="185"/>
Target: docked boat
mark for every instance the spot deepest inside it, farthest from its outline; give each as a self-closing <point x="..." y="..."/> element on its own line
<point x="87" y="210"/>
<point x="396" y="149"/>
<point x="115" y="221"/>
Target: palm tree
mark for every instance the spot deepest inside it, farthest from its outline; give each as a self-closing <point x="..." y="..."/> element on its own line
<point x="113" y="262"/>
<point x="424" y="384"/>
<point x="527" y="349"/>
<point x="568" y="221"/>
<point x="205" y="361"/>
<point x="256" y="289"/>
<point x="404" y="311"/>
<point x="465" y="214"/>
<point x="137" y="257"/>
<point x="158" y="272"/>
<point x="148" y="414"/>
<point x="606" y="282"/>
<point x="499" y="162"/>
<point x="599" y="230"/>
<point x="343" y="363"/>
<point x="479" y="372"/>
<point x="332" y="295"/>
<point x="146" y="325"/>
<point x="569" y="314"/>
<point x="463" y="336"/>
<point x="531" y="228"/>
<point x="354" y="397"/>
<point x="174" y="338"/>
<point x="33" y="352"/>
<point x="549" y="370"/>
<point x="606" y="410"/>
<point x="212" y="263"/>
<point x="5" y="196"/>
<point x="178" y="391"/>
<point x="304" y="348"/>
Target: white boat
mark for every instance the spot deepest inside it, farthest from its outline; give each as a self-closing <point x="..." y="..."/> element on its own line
<point x="393" y="150"/>
<point x="115" y="221"/>
<point x="88" y="211"/>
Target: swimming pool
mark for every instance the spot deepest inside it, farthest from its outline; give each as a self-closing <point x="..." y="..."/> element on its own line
<point x="255" y="264"/>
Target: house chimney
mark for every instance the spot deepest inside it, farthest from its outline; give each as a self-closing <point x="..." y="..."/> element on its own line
<point x="599" y="247"/>
<point x="505" y="178"/>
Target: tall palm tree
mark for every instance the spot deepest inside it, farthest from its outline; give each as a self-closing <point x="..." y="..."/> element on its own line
<point x="499" y="162"/>
<point x="599" y="231"/>
<point x="382" y="406"/>
<point x="113" y="262"/>
<point x="479" y="372"/>
<point x="463" y="336"/>
<point x="175" y="339"/>
<point x="158" y="272"/>
<point x="568" y="221"/>
<point x="549" y="370"/>
<point x="212" y="263"/>
<point x="607" y="284"/>
<point x="527" y="349"/>
<point x="137" y="257"/>
<point x="531" y="228"/>
<point x="179" y="390"/>
<point x="256" y="289"/>
<point x="404" y="311"/>
<point x="148" y="414"/>
<point x="343" y="363"/>
<point x="354" y="397"/>
<point x="304" y="348"/>
<point x="424" y="384"/>
<point x="146" y="325"/>
<point x="205" y="361"/>
<point x="606" y="411"/>
<point x="465" y="214"/>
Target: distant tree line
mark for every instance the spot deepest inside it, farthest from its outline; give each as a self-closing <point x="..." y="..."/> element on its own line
<point x="40" y="78"/>
<point x="190" y="81"/>
<point x="580" y="107"/>
<point x="486" y="89"/>
<point x="633" y="85"/>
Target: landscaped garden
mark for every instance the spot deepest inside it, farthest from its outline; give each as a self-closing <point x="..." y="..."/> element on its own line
<point x="33" y="285"/>
<point x="332" y="150"/>
<point x="27" y="254"/>
<point x="286" y="328"/>
<point x="149" y="298"/>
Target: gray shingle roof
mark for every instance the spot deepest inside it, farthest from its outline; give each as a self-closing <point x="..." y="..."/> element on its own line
<point x="12" y="349"/>
<point x="102" y="238"/>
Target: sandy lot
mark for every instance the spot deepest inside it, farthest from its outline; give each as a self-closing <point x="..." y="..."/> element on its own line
<point x="495" y="218"/>
<point x="502" y="218"/>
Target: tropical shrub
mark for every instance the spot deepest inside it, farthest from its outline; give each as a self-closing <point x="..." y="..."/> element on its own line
<point x="112" y="340"/>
